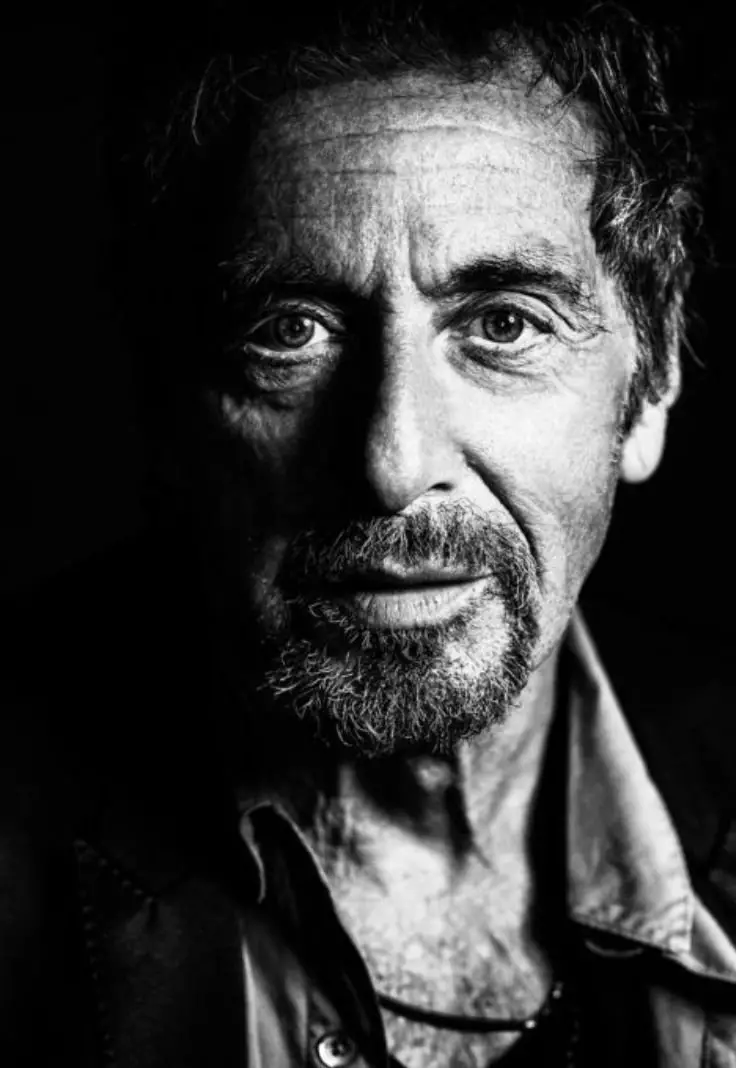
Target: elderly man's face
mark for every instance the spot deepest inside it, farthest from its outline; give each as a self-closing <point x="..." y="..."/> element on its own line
<point x="434" y="348"/>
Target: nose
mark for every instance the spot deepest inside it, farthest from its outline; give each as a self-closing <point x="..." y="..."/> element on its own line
<point x="411" y="449"/>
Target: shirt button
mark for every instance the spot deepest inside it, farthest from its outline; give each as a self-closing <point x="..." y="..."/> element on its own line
<point x="335" y="1050"/>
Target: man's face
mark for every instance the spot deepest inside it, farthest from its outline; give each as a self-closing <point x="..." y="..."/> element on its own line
<point x="419" y="420"/>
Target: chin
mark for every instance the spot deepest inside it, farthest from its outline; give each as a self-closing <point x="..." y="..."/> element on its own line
<point x="394" y="691"/>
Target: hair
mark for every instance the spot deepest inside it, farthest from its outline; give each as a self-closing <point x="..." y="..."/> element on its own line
<point x="214" y="88"/>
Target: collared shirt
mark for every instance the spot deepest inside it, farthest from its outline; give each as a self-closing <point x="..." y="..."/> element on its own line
<point x="628" y="893"/>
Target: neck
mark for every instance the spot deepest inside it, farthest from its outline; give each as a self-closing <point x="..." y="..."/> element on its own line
<point x="477" y="801"/>
<point x="439" y="868"/>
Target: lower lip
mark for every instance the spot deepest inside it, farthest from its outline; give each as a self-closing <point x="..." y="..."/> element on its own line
<point x="411" y="606"/>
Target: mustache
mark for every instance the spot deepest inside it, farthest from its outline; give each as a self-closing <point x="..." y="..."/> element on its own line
<point x="455" y="536"/>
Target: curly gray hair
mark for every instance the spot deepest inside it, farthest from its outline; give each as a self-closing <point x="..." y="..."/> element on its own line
<point x="645" y="209"/>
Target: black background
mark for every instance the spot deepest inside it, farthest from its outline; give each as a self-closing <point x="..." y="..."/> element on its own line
<point x="70" y="487"/>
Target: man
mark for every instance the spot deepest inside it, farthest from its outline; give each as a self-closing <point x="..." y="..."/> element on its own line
<point x="339" y="779"/>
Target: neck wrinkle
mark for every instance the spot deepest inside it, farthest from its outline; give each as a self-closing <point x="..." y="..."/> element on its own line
<point x="477" y="801"/>
<point x="500" y="770"/>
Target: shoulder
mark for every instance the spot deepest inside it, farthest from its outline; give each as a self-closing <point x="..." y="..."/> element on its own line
<point x="677" y="689"/>
<point x="94" y="658"/>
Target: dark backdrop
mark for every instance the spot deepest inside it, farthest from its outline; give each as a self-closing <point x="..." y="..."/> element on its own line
<point x="71" y="483"/>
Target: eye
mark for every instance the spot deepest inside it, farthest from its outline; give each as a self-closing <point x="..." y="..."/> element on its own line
<point x="288" y="332"/>
<point x="502" y="326"/>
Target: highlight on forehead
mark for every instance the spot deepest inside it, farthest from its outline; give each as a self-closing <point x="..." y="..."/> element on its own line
<point x="336" y="124"/>
<point x="389" y="103"/>
<point x="615" y="68"/>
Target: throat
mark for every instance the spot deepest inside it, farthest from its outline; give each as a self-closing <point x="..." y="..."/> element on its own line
<point x="391" y="817"/>
<point x="457" y="939"/>
<point x="449" y="878"/>
<point x="440" y="923"/>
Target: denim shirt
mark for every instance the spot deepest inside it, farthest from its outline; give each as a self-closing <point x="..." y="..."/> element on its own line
<point x="663" y="966"/>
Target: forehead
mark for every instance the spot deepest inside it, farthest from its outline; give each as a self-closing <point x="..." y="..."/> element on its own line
<point x="419" y="173"/>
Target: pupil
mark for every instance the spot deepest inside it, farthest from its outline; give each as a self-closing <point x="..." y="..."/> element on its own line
<point x="503" y="326"/>
<point x="293" y="330"/>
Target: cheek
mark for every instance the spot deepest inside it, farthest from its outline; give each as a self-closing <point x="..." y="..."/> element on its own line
<point x="563" y="489"/>
<point x="554" y="460"/>
<point x="245" y="487"/>
<point x="264" y="451"/>
<point x="576" y="481"/>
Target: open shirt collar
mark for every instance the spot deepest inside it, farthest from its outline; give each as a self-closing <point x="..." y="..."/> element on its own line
<point x="627" y="873"/>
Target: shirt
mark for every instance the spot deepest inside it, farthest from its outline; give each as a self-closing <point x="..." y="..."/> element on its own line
<point x="629" y="895"/>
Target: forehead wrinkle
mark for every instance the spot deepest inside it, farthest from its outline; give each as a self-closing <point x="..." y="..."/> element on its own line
<point x="398" y="133"/>
<point x="408" y="249"/>
<point x="301" y="179"/>
<point x="483" y="187"/>
<point x="283" y="149"/>
<point x="532" y="96"/>
<point x="425" y="270"/>
<point x="370" y="230"/>
<point x="408" y="150"/>
<point x="256" y="260"/>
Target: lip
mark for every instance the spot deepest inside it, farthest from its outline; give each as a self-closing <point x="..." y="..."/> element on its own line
<point x="391" y="576"/>
<point x="415" y="599"/>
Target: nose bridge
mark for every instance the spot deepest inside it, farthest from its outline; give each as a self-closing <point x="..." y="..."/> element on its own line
<point x="409" y="448"/>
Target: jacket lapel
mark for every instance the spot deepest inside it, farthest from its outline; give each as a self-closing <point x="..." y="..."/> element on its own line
<point x="167" y="969"/>
<point x="162" y="878"/>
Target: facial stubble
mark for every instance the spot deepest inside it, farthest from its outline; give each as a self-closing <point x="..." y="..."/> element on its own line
<point x="375" y="692"/>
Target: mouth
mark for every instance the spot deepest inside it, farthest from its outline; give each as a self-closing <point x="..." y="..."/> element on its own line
<point x="402" y="599"/>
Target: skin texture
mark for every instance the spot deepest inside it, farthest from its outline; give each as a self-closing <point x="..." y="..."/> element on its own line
<point x="388" y="187"/>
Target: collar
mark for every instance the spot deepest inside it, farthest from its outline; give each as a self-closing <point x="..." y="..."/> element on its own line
<point x="626" y="870"/>
<point x="627" y="874"/>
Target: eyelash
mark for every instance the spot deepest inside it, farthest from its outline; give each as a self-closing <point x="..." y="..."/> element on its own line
<point x="287" y="356"/>
<point x="540" y="324"/>
<point x="461" y="319"/>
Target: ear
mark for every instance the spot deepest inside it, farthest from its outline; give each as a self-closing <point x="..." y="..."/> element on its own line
<point x="642" y="450"/>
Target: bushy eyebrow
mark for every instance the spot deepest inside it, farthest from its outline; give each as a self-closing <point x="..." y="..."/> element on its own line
<point x="544" y="268"/>
<point x="520" y="269"/>
<point x="254" y="271"/>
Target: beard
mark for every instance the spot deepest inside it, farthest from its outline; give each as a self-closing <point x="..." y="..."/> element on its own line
<point x="324" y="674"/>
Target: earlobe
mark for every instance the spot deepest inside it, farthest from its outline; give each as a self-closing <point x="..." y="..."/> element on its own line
<point x="642" y="450"/>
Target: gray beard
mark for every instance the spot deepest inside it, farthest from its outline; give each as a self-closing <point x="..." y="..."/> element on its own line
<point x="377" y="707"/>
<point x="379" y="692"/>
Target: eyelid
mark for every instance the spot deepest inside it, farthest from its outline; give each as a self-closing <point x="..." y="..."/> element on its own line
<point x="476" y="306"/>
<point x="265" y="351"/>
<point x="294" y="306"/>
<point x="486" y="305"/>
<point x="264" y="322"/>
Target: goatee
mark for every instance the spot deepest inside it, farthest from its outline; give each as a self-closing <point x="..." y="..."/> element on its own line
<point x="378" y="691"/>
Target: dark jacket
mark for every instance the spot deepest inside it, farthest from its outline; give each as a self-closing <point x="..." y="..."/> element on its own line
<point x="119" y="881"/>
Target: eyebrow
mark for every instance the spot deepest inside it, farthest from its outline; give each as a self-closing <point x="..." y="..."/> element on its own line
<point x="539" y="267"/>
<point x="254" y="270"/>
